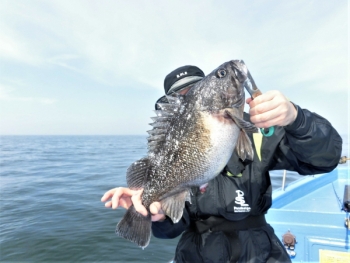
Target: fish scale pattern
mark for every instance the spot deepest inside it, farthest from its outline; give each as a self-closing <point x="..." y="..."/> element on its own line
<point x="192" y="138"/>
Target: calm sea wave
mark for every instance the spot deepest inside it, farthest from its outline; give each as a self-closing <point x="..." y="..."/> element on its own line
<point x="50" y="190"/>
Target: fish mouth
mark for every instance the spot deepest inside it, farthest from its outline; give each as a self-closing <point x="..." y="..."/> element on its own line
<point x="240" y="69"/>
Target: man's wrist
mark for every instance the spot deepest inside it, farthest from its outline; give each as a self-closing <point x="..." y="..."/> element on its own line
<point x="297" y="122"/>
<point x="294" y="111"/>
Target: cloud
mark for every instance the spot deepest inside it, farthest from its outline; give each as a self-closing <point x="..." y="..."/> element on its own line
<point x="66" y="61"/>
<point x="80" y="50"/>
<point x="6" y="94"/>
<point x="145" y="40"/>
<point x="14" y="47"/>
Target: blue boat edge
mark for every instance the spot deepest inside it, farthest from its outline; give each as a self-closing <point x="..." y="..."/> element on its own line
<point x="310" y="211"/>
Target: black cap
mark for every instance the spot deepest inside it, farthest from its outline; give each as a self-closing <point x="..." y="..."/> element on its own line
<point x="182" y="77"/>
<point x="178" y="79"/>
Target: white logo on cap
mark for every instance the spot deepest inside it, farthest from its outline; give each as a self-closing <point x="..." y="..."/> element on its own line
<point x="181" y="74"/>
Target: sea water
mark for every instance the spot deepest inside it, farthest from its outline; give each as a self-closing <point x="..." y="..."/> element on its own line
<point x="50" y="191"/>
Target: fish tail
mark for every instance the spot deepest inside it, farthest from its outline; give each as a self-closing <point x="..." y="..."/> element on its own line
<point x="135" y="227"/>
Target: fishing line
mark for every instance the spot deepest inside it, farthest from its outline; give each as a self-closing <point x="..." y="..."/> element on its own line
<point x="337" y="196"/>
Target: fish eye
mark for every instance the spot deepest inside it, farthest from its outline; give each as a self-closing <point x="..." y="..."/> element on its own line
<point x="221" y="73"/>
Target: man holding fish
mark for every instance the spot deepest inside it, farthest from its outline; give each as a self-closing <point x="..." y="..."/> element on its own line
<point x="206" y="175"/>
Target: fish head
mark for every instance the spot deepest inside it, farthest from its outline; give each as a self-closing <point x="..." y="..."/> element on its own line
<point x="222" y="88"/>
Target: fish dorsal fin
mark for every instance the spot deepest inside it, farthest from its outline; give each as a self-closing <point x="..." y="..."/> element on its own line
<point x="175" y="99"/>
<point x="136" y="175"/>
<point x="156" y="132"/>
<point x="156" y="137"/>
<point x="170" y="108"/>
<point x="161" y="113"/>
<point x="161" y="118"/>
<point x="162" y="121"/>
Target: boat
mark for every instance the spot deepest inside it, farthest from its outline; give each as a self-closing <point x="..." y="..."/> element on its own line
<point x="311" y="217"/>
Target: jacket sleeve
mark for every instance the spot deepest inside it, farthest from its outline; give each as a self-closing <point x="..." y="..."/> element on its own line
<point x="310" y="145"/>
<point x="167" y="229"/>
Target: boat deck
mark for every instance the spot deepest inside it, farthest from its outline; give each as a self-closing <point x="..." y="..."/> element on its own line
<point x="310" y="208"/>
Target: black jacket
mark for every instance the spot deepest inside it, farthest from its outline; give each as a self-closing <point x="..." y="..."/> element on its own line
<point x="310" y="145"/>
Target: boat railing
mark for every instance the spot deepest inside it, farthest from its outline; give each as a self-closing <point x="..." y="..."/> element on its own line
<point x="342" y="160"/>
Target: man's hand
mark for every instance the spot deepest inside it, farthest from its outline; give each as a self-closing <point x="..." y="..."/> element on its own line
<point x="125" y="197"/>
<point x="271" y="109"/>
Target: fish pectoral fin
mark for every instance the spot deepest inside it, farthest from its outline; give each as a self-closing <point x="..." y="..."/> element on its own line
<point x="136" y="174"/>
<point x="244" y="147"/>
<point x="135" y="227"/>
<point x="241" y="123"/>
<point x="173" y="205"/>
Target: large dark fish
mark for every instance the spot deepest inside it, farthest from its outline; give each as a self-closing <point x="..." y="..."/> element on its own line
<point x="192" y="139"/>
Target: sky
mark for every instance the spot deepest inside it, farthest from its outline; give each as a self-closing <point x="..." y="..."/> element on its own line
<point x="97" y="67"/>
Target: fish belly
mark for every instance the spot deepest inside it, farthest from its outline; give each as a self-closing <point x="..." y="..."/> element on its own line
<point x="223" y="138"/>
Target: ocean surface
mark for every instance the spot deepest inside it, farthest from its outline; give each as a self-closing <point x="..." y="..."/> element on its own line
<point x="50" y="191"/>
